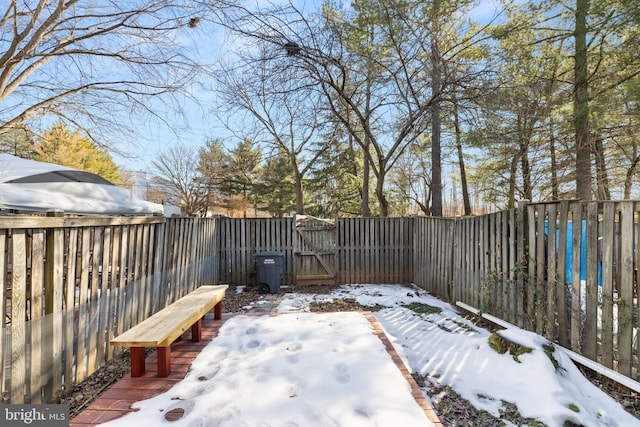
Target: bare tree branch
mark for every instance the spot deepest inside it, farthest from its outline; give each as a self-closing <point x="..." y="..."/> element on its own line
<point x="90" y="61"/>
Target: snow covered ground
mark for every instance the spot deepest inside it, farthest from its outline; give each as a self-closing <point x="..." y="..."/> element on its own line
<point x="329" y="369"/>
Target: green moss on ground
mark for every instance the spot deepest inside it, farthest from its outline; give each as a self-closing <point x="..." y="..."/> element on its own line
<point x="549" y="350"/>
<point x="503" y="346"/>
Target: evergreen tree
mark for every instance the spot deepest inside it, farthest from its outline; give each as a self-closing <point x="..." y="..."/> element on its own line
<point x="18" y="141"/>
<point x="276" y="188"/>
<point x="63" y="146"/>
<point x="335" y="187"/>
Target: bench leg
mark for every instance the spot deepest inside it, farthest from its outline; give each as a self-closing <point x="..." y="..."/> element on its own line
<point x="137" y="361"/>
<point x="217" y="311"/>
<point x="164" y="361"/>
<point x="196" y="331"/>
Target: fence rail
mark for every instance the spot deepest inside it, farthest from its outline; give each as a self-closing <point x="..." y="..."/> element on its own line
<point x="566" y="270"/>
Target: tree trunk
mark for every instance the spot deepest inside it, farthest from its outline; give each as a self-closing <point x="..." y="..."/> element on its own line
<point x="436" y="125"/>
<point x="368" y="160"/>
<point x="382" y="199"/>
<point x="555" y="187"/>
<point x="581" y="104"/>
<point x="463" y="172"/>
<point x="527" y="187"/>
<point x="602" y="179"/>
<point x="299" y="194"/>
<point x="366" y="172"/>
<point x="628" y="182"/>
<point x="513" y="170"/>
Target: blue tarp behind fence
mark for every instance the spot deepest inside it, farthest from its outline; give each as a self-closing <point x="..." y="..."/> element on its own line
<point x="569" y="252"/>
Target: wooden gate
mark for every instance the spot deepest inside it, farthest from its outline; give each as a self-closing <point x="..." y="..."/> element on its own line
<point x="315" y="252"/>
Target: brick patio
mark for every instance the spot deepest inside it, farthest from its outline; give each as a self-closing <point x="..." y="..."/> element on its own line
<point x="117" y="400"/>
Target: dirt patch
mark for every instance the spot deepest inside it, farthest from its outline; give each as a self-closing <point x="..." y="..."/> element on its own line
<point x="85" y="392"/>
<point x="346" y="304"/>
<point x="236" y="302"/>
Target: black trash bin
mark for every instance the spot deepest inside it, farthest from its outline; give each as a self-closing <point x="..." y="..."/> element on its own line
<point x="270" y="267"/>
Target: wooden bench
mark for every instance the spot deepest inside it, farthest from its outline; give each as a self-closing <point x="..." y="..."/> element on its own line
<point x="165" y="326"/>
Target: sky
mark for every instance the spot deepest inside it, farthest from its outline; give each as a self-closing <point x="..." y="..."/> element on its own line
<point x="308" y="369"/>
<point x="196" y="123"/>
<point x="192" y="121"/>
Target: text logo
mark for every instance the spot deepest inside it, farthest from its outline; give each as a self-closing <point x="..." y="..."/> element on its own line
<point x="34" y="415"/>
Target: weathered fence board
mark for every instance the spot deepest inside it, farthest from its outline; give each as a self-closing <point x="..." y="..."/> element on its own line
<point x="625" y="308"/>
<point x="576" y="285"/>
<point x="590" y="331"/>
<point x="561" y="274"/>
<point x="18" y="315"/>
<point x="608" y="239"/>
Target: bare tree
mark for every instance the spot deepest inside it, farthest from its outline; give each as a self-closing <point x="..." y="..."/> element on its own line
<point x="367" y="93"/>
<point x="373" y="66"/>
<point x="178" y="171"/>
<point x="88" y="62"/>
<point x="276" y="109"/>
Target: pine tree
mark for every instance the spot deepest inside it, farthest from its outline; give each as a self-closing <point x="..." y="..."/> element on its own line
<point x="63" y="146"/>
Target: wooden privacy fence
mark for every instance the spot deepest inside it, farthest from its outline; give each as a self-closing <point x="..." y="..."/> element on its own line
<point x="475" y="260"/>
<point x="70" y="284"/>
<point x="566" y="270"/>
<point x="375" y="250"/>
<point x="345" y="250"/>
<point x="241" y="239"/>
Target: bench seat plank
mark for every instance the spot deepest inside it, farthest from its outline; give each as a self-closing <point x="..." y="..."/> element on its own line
<point x="165" y="326"/>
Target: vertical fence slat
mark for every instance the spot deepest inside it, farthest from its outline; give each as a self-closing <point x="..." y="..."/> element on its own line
<point x="92" y="326"/>
<point x="37" y="297"/>
<point x="625" y="306"/>
<point x="514" y="268"/>
<point x="635" y="325"/>
<point x="561" y="292"/>
<point x="608" y="230"/>
<point x="70" y="304"/>
<point x="576" y="285"/>
<point x="530" y="313"/>
<point x="103" y="301"/>
<point x="18" y="315"/>
<point x="539" y="294"/>
<point x="522" y="255"/>
<point x="552" y="274"/>
<point x="590" y="334"/>
<point x="54" y="292"/>
<point x="3" y="319"/>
